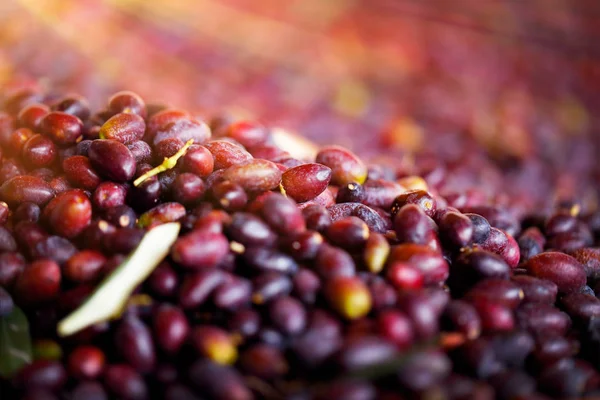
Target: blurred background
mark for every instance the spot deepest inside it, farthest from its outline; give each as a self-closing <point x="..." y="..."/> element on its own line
<point x="518" y="80"/>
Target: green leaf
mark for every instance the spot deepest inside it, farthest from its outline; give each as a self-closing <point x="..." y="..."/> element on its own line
<point x="111" y="296"/>
<point x="15" y="343"/>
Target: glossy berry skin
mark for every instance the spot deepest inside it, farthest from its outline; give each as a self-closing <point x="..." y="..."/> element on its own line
<point x="187" y="189"/>
<point x="531" y="243"/>
<point x="85" y="266"/>
<point x="345" y="166"/>
<point x="161" y="214"/>
<point x="349" y="233"/>
<point x="23" y="188"/>
<point x="317" y="217"/>
<point x="494" y="316"/>
<point x="288" y="315"/>
<point x="404" y="276"/>
<point x="248" y="134"/>
<point x="419" y="197"/>
<point x="590" y="259"/>
<point x="142" y="152"/>
<point x="321" y="340"/>
<point x="333" y="262"/>
<point x="86" y="362"/>
<point x="171" y="328"/>
<point x="431" y="264"/>
<point x="218" y="381"/>
<point x="127" y="102"/>
<point x="462" y="317"/>
<point x="481" y="227"/>
<point x="124" y="382"/>
<point x="147" y="194"/>
<point x="306" y="285"/>
<point x="69" y="213"/>
<point x="7" y="241"/>
<point x="305" y="182"/>
<point x="226" y="154"/>
<point x="214" y="343"/>
<point x="364" y="352"/>
<point x="536" y="290"/>
<point x="198" y="160"/>
<point x="422" y="312"/>
<point x="456" y="229"/>
<point x="542" y="319"/>
<point x="351" y="193"/>
<point x="167" y="148"/>
<point x="112" y="159"/>
<point x="254" y="175"/>
<point x="125" y="128"/>
<point x="264" y="260"/>
<point x="504" y="245"/>
<point x="39" y="282"/>
<point x="229" y="196"/>
<point x="264" y="361"/>
<point x="297" y="273"/>
<point x="42" y="374"/>
<point x="134" y="342"/>
<point x="473" y="266"/>
<point x="348" y="296"/>
<point x="565" y="271"/>
<point x="89" y="390"/>
<point x="581" y="307"/>
<point x="199" y="250"/>
<point x="381" y="193"/>
<point x="29" y="212"/>
<point x="245" y="322"/>
<point x="17" y="140"/>
<point x="397" y="327"/>
<point x="31" y="116"/>
<point x="55" y="248"/>
<point x="499" y="291"/>
<point x="270" y="285"/>
<point x="108" y="195"/>
<point x="11" y="266"/>
<point x="163" y="282"/>
<point x="62" y="128"/>
<point x="282" y="215"/>
<point x="74" y="105"/>
<point x="196" y="288"/>
<point x="4" y="212"/>
<point x="412" y="225"/>
<point x="424" y="369"/>
<point x="250" y="230"/>
<point x="80" y="173"/>
<point x="39" y="151"/>
<point x="371" y="217"/>
<point x="183" y="129"/>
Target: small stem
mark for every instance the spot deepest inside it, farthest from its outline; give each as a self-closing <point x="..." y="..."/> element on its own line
<point x="167" y="164"/>
<point x="282" y="190"/>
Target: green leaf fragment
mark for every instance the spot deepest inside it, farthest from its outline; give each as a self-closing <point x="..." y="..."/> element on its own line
<point x="15" y="343"/>
<point x="112" y="295"/>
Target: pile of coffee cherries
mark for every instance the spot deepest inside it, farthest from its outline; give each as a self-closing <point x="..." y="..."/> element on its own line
<point x="297" y="274"/>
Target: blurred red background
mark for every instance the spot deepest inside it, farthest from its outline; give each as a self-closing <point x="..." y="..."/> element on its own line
<point x="519" y="78"/>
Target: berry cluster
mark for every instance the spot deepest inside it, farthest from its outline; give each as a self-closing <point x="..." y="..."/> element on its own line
<point x="293" y="277"/>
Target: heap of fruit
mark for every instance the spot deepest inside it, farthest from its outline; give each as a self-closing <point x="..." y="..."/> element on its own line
<point x="148" y="254"/>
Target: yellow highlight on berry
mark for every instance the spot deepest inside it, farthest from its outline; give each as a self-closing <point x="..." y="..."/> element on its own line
<point x="376" y="252"/>
<point x="413" y="183"/>
<point x="222" y="352"/>
<point x="349" y="296"/>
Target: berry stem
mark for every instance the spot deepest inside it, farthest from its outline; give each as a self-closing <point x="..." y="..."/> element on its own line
<point x="167" y="164"/>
